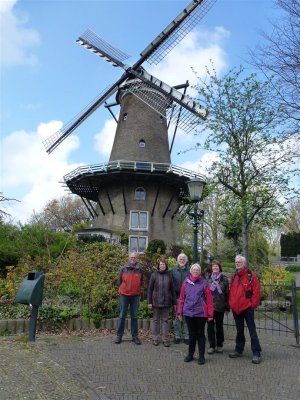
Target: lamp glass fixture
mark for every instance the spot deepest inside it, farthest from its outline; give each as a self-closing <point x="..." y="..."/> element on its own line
<point x="195" y="186"/>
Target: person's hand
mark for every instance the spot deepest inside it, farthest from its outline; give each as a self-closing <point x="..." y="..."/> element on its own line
<point x="150" y="306"/>
<point x="179" y="316"/>
<point x="175" y="308"/>
<point x="210" y="319"/>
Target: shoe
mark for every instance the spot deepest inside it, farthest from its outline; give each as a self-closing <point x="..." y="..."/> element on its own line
<point x="256" y="359"/>
<point x="219" y="349"/>
<point x="235" y="354"/>
<point x="155" y="342"/>
<point x="188" y="358"/>
<point x="118" y="339"/>
<point x="211" y="350"/>
<point x="186" y="341"/>
<point x="201" y="361"/>
<point x="167" y="344"/>
<point x="136" y="340"/>
<point x="176" y="340"/>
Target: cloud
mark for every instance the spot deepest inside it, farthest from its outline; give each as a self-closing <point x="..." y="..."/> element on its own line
<point x="31" y="175"/>
<point x="105" y="138"/>
<point x="16" y="40"/>
<point x="203" y="164"/>
<point x="194" y="51"/>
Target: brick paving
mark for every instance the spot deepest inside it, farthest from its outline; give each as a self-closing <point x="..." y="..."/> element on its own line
<point x="93" y="367"/>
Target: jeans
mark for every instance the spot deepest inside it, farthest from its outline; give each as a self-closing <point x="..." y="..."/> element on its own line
<point x="196" y="326"/>
<point x="248" y="316"/>
<point x="160" y="315"/>
<point x="215" y="330"/>
<point x="133" y="302"/>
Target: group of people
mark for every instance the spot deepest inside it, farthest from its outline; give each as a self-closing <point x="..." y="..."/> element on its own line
<point x="195" y="300"/>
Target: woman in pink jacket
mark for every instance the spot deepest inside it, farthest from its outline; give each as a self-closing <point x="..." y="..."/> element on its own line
<point x="196" y="305"/>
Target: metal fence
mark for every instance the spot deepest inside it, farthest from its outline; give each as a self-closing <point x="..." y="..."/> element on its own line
<point x="278" y="310"/>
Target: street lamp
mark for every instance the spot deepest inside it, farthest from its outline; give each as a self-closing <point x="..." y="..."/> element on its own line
<point x="195" y="187"/>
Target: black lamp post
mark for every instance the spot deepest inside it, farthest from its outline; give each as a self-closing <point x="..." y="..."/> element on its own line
<point x="195" y="186"/>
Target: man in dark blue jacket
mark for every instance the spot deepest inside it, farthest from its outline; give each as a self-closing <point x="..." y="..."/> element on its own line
<point x="179" y="273"/>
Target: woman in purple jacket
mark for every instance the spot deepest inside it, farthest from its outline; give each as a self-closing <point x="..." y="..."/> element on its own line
<point x="196" y="305"/>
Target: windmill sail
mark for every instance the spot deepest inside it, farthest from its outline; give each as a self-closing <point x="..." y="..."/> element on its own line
<point x="175" y="31"/>
<point x="53" y="141"/>
<point x="139" y="82"/>
<point x="97" y="45"/>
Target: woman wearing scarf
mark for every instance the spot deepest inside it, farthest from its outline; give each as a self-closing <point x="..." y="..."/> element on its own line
<point x="219" y="287"/>
<point x="196" y="305"/>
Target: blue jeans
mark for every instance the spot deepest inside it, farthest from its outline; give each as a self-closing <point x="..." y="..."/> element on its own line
<point x="133" y="302"/>
<point x="248" y="316"/>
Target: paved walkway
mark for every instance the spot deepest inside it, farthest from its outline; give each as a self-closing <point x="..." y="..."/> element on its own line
<point x="94" y="368"/>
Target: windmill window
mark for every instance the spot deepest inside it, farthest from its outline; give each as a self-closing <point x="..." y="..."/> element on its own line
<point x="140" y="194"/>
<point x="138" y="243"/>
<point x="124" y="116"/>
<point x="142" y="143"/>
<point x="161" y="119"/>
<point x="138" y="220"/>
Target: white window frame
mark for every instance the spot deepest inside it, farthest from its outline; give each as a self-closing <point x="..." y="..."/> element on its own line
<point x="137" y="237"/>
<point x="138" y="228"/>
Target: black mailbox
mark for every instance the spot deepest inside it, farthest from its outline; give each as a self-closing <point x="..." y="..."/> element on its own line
<point x="31" y="289"/>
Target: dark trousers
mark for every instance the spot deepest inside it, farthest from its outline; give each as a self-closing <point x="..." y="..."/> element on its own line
<point x="196" y="327"/>
<point x="133" y="302"/>
<point x="215" y="331"/>
<point x="248" y="316"/>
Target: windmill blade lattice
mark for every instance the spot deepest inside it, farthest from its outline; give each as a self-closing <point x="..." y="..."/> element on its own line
<point x="99" y="46"/>
<point x="54" y="140"/>
<point x="164" y="105"/>
<point x="177" y="30"/>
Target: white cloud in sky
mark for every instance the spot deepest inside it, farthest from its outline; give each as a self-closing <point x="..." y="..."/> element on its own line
<point x="31" y="175"/>
<point x="203" y="164"/>
<point x="16" y="40"/>
<point x="194" y="51"/>
<point x="104" y="139"/>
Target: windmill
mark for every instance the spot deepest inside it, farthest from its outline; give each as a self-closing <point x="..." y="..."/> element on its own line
<point x="138" y="191"/>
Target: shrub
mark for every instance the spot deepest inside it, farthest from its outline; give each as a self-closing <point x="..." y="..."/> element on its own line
<point x="156" y="246"/>
<point x="293" y="268"/>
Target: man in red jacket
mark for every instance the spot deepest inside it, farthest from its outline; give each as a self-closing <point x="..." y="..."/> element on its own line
<point x="244" y="297"/>
<point x="130" y="283"/>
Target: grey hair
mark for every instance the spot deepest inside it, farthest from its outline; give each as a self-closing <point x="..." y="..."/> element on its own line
<point x="242" y="258"/>
<point x="195" y="266"/>
<point x="182" y="255"/>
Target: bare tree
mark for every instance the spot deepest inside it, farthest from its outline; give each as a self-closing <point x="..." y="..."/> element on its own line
<point x="63" y="213"/>
<point x="292" y="224"/>
<point x="279" y="56"/>
<point x="4" y="214"/>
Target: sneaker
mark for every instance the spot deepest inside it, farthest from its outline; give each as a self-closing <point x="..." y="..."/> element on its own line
<point x="166" y="343"/>
<point x="155" y="342"/>
<point x="235" y="354"/>
<point x="201" y="361"/>
<point x="219" y="349"/>
<point x="211" y="350"/>
<point x="186" y="341"/>
<point x="177" y="340"/>
<point x="118" y="339"/>
<point x="188" y="358"/>
<point x="136" y="340"/>
<point x="256" y="359"/>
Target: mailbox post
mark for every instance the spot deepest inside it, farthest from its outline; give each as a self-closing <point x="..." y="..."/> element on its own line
<point x="31" y="293"/>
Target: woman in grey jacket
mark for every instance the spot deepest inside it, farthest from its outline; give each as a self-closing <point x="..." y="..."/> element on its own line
<point x="219" y="287"/>
<point x="161" y="297"/>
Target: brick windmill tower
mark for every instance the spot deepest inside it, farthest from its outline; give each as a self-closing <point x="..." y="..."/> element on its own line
<point x="138" y="190"/>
